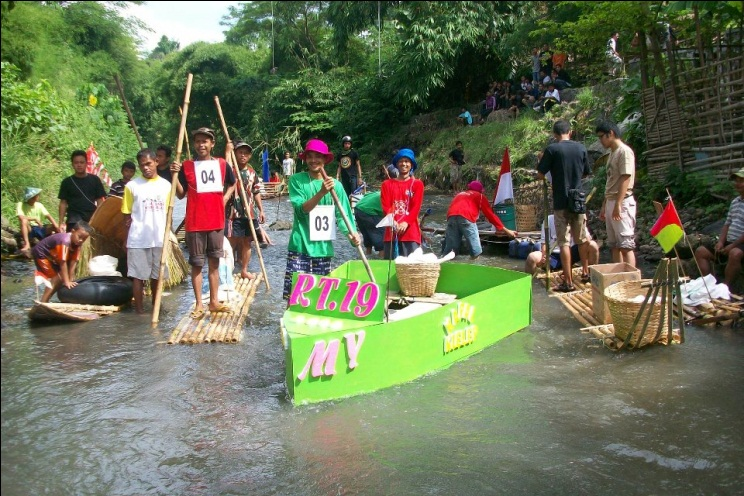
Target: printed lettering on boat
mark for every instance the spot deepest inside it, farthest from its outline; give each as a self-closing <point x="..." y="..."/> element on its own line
<point x="322" y="360"/>
<point x="459" y="327"/>
<point x="335" y="297"/>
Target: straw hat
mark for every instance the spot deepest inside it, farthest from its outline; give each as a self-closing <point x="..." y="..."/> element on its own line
<point x="316" y="145"/>
<point x="30" y="193"/>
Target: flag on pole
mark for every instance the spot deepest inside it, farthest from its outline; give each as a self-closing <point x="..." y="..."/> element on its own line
<point x="668" y="228"/>
<point x="386" y="221"/>
<point x="95" y="166"/>
<point x="265" y="158"/>
<point x="504" y="190"/>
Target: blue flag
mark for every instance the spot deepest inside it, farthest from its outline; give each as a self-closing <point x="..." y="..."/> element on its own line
<point x="265" y="157"/>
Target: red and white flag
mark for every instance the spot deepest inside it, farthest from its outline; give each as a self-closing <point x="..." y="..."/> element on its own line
<point x="504" y="190"/>
<point x="95" y="166"/>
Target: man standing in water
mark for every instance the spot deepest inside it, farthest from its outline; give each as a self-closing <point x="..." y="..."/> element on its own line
<point x="206" y="183"/>
<point x="567" y="162"/>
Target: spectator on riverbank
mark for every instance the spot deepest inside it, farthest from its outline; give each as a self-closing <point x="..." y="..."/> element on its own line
<point x="31" y="214"/>
<point x="730" y="245"/>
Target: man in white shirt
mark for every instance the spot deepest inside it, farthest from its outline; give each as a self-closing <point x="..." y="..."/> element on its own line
<point x="288" y="165"/>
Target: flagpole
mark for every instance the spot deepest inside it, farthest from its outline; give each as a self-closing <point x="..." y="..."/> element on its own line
<point x="169" y="215"/>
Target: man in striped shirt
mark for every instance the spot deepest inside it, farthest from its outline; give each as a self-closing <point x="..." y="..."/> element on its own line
<point x="730" y="245"/>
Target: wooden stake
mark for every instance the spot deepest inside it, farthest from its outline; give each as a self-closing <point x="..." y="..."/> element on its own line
<point x="129" y="112"/>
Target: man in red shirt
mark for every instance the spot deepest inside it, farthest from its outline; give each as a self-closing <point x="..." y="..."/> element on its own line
<point x="461" y="220"/>
<point x="207" y="183"/>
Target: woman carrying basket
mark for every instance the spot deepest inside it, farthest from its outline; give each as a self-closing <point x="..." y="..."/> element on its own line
<point x="402" y="198"/>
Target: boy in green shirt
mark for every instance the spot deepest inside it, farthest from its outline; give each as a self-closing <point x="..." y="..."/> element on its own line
<point x="30" y="214"/>
<point x="310" y="246"/>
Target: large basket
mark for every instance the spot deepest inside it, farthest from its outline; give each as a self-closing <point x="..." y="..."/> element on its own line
<point x="526" y="217"/>
<point x="624" y="300"/>
<point x="417" y="279"/>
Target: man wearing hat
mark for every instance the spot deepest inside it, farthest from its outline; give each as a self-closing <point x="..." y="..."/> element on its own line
<point x="402" y="198"/>
<point x="730" y="245"/>
<point x="207" y="183"/>
<point x="237" y="229"/>
<point x="462" y="215"/>
<point x="30" y="213"/>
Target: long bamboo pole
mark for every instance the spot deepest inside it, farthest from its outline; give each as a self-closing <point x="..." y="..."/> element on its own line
<point x="349" y="227"/>
<point x="247" y="207"/>
<point x="169" y="216"/>
<point x="129" y="112"/>
<point x="188" y="150"/>
<point x="546" y="229"/>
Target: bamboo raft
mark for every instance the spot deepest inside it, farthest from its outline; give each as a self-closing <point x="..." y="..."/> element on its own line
<point x="219" y="327"/>
<point x="717" y="313"/>
<point x="70" y="311"/>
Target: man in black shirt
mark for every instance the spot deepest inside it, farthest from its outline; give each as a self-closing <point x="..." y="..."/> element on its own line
<point x="457" y="160"/>
<point x="163" y="158"/>
<point x="349" y="167"/>
<point x="79" y="194"/>
<point x="567" y="162"/>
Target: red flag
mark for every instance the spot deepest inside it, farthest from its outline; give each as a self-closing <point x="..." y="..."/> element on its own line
<point x="95" y="166"/>
<point x="505" y="189"/>
<point x="668" y="228"/>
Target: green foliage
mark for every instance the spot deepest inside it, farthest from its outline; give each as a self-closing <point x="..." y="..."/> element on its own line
<point x="691" y="190"/>
<point x="28" y="109"/>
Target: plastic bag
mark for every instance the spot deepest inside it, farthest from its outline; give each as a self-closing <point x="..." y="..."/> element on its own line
<point x="695" y="292"/>
<point x="103" y="265"/>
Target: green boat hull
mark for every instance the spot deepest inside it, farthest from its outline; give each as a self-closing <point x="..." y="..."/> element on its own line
<point x="329" y="358"/>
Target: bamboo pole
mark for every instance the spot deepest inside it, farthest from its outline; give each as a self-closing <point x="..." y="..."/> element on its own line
<point x="247" y="207"/>
<point x="169" y="216"/>
<point x="349" y="226"/>
<point x="546" y="229"/>
<point x="188" y="150"/>
<point x="129" y="112"/>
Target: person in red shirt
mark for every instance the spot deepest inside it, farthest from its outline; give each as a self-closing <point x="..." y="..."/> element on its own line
<point x="207" y="183"/>
<point x="56" y="258"/>
<point x="462" y="215"/>
<point x="402" y="197"/>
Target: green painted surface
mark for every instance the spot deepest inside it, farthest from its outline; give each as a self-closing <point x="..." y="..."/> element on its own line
<point x="492" y="304"/>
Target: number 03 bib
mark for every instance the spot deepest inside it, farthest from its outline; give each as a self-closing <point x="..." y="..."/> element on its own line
<point x="208" y="176"/>
<point x="323" y="223"/>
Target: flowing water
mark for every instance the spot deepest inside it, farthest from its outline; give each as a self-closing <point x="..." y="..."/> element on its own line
<point x="108" y="408"/>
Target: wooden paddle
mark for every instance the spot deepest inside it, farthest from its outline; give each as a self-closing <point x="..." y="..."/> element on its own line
<point x="244" y="198"/>
<point x="169" y="216"/>
<point x="349" y="226"/>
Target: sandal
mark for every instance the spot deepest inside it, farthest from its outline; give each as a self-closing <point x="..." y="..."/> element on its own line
<point x="585" y="278"/>
<point x="222" y="308"/>
<point x="564" y="288"/>
<point x="197" y="314"/>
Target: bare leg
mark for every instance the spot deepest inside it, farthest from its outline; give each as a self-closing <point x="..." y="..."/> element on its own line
<point x="733" y="267"/>
<point x="566" y="264"/>
<point x="703" y="256"/>
<point x="213" y="274"/>
<point x="154" y="289"/>
<point x="196" y="282"/>
<point x="245" y="258"/>
<point x="49" y="292"/>
<point x="628" y="256"/>
<point x="138" y="289"/>
<point x="25" y="228"/>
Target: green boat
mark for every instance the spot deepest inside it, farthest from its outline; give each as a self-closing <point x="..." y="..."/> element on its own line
<point x="344" y="335"/>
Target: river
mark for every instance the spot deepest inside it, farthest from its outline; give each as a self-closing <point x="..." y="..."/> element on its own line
<point x="109" y="408"/>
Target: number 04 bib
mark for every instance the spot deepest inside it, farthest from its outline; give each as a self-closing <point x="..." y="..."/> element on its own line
<point x="208" y="176"/>
<point x="323" y="223"/>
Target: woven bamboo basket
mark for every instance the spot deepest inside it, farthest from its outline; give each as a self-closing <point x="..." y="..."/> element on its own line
<point x="417" y="279"/>
<point x="526" y="217"/>
<point x="624" y="300"/>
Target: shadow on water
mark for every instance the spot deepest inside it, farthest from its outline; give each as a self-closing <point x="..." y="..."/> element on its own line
<point x="108" y="408"/>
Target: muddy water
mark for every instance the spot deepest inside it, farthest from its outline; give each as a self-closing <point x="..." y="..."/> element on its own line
<point x="109" y="408"/>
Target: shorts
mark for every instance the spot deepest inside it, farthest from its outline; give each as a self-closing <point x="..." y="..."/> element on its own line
<point x="567" y="224"/>
<point x="46" y="267"/>
<point x="455" y="174"/>
<point x="144" y="263"/>
<point x="555" y="258"/>
<point x="204" y="244"/>
<point x="621" y="233"/>
<point x="399" y="249"/>
<point x="719" y="257"/>
<point x="371" y="234"/>
<point x="299" y="262"/>
<point x="38" y="232"/>
<point x="238" y="228"/>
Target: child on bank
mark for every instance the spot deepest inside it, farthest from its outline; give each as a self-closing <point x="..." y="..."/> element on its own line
<point x="308" y="191"/>
<point x="31" y="213"/>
